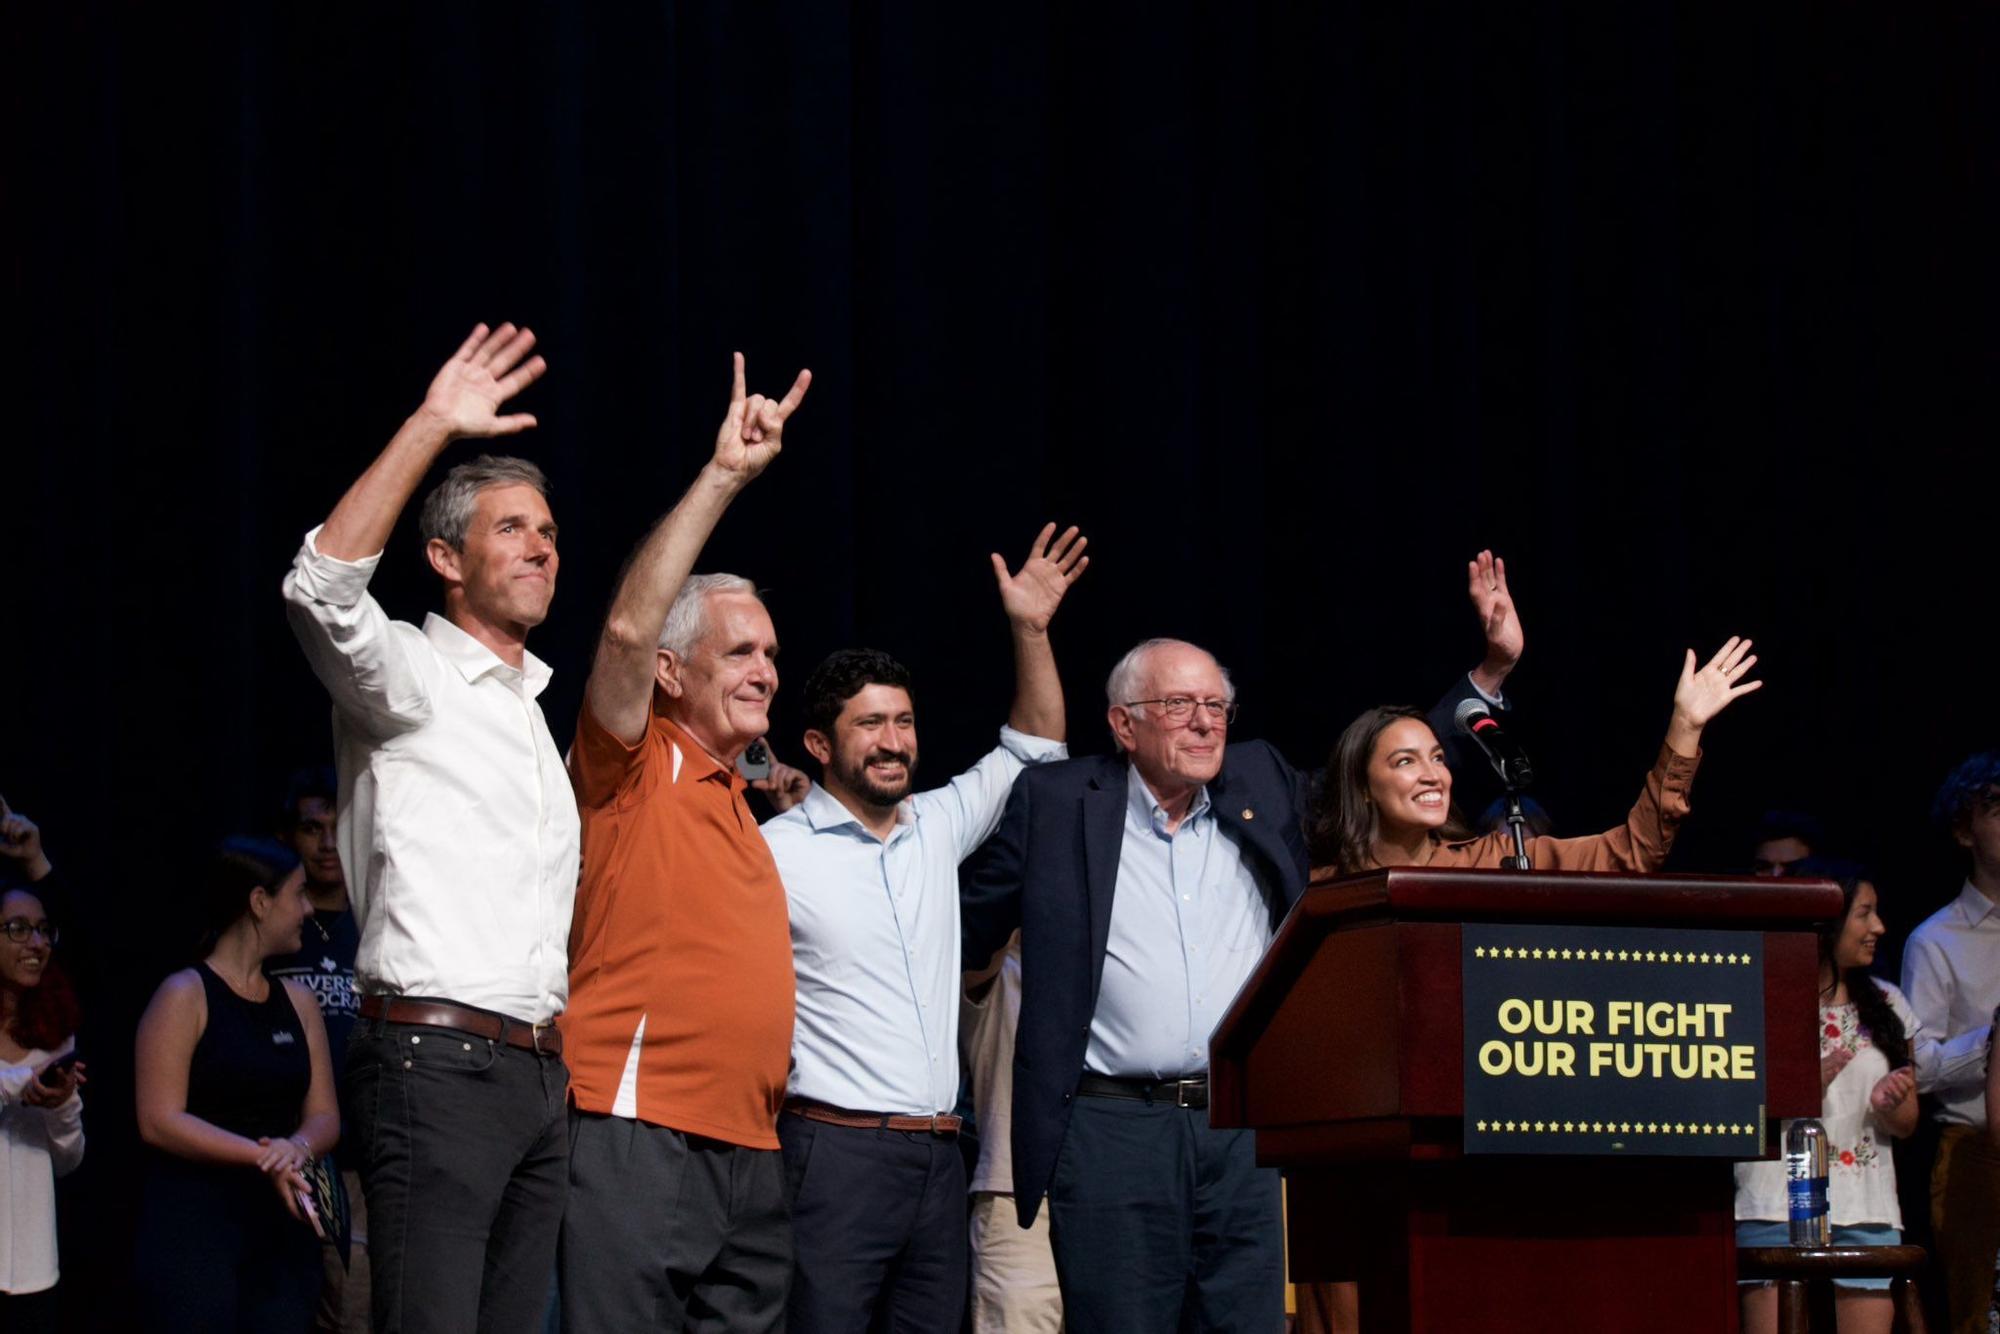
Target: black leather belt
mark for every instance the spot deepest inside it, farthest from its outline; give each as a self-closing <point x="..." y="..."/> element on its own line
<point x="545" y="1039"/>
<point x="1191" y="1091"/>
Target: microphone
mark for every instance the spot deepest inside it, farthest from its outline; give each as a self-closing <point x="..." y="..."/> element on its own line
<point x="1475" y="720"/>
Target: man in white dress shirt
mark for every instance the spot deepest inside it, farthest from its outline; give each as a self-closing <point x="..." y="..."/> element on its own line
<point x="458" y="833"/>
<point x="871" y="880"/>
<point x="1951" y="974"/>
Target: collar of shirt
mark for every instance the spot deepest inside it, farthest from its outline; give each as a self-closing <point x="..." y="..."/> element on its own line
<point x="474" y="660"/>
<point x="1145" y="808"/>
<point x="1974" y="905"/>
<point x="697" y="765"/>
<point x="824" y="812"/>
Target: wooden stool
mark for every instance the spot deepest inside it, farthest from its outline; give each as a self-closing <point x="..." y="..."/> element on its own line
<point x="1793" y="1268"/>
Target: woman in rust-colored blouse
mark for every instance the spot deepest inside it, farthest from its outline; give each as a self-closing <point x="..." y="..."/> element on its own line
<point x="1388" y="792"/>
<point x="1387" y="802"/>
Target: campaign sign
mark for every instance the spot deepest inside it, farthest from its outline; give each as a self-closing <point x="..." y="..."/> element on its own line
<point x="1614" y="1040"/>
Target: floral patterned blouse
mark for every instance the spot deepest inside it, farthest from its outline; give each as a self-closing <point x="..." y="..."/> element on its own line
<point x="1861" y="1185"/>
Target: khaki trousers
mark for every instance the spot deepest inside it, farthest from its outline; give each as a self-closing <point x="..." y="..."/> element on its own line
<point x="1013" y="1270"/>
<point x="1965" y="1219"/>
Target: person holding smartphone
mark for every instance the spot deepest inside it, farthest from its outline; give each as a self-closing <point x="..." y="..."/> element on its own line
<point x="235" y="1094"/>
<point x="41" y="1114"/>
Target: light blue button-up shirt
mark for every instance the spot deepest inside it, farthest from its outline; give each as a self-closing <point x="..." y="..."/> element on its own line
<point x="875" y="935"/>
<point x="1189" y="920"/>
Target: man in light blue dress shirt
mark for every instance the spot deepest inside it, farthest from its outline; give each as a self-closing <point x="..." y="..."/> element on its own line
<point x="873" y="1174"/>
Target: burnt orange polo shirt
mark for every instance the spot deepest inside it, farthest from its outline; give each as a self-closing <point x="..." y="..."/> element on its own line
<point x="680" y="983"/>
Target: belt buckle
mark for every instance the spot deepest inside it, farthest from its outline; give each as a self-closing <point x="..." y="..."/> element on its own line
<point x="535" y="1032"/>
<point x="1183" y="1090"/>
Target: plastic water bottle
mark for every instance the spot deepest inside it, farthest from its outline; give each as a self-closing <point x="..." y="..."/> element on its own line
<point x="1805" y="1183"/>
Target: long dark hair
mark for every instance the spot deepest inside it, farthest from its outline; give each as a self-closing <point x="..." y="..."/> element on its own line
<point x="240" y="867"/>
<point x="1871" y="1003"/>
<point x="1341" y="828"/>
<point x="47" y="1014"/>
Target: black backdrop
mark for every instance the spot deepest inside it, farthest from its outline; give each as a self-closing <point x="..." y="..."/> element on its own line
<point x="1686" y="311"/>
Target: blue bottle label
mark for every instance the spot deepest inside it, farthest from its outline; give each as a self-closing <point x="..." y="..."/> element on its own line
<point x="1806" y="1197"/>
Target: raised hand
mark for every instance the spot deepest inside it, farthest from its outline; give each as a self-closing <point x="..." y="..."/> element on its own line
<point x="486" y="371"/>
<point x="1720" y="681"/>
<point x="1891" y="1089"/>
<point x="1499" y="619"/>
<point x="752" y="431"/>
<point x="1031" y="594"/>
<point x="21" y="841"/>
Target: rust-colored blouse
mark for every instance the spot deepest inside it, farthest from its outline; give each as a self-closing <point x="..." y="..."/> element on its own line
<point x="1640" y="844"/>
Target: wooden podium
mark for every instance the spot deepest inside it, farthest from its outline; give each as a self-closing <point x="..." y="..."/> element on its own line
<point x="1345" y="1052"/>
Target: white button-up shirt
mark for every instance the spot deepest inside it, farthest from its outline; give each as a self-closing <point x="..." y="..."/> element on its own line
<point x="875" y="935"/>
<point x="457" y="829"/>
<point x="1951" y="975"/>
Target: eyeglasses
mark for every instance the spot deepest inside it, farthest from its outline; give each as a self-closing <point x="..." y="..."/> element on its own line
<point x="1179" y="709"/>
<point x="19" y="929"/>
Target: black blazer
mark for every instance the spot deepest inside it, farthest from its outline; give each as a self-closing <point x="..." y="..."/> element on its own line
<point x="1051" y="869"/>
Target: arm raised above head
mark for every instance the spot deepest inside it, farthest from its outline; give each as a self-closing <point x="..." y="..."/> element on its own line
<point x="464" y="400"/>
<point x="620" y="691"/>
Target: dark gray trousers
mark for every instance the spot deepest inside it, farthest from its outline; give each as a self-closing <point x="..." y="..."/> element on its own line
<point x="1159" y="1223"/>
<point x="463" y="1158"/>
<point x="667" y="1231"/>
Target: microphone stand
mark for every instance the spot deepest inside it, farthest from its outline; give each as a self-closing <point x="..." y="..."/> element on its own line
<point x="1516" y="778"/>
<point x="1517" y="824"/>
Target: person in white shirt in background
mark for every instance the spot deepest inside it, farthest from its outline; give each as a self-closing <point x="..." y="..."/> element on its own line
<point x="1951" y="973"/>
<point x="459" y="834"/>
<point x="1014" y="1286"/>
<point x="41" y="1114"/>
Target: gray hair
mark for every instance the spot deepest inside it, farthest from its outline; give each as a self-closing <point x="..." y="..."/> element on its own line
<point x="1130" y="670"/>
<point x="687" y="619"/>
<point x="448" y="508"/>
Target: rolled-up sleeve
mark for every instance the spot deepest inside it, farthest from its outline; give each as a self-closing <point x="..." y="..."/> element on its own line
<point x="355" y="650"/>
<point x="971" y="803"/>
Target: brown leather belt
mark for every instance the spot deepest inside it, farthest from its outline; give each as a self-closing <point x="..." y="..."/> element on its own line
<point x="943" y="1123"/>
<point x="544" y="1039"/>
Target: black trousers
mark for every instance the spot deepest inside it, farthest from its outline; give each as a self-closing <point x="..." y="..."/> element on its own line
<point x="464" y="1161"/>
<point x="879" y="1227"/>
<point x="667" y="1231"/>
<point x="1159" y="1223"/>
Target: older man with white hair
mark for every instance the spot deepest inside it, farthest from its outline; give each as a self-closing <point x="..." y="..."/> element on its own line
<point x="679" y="1028"/>
<point x="1146" y="886"/>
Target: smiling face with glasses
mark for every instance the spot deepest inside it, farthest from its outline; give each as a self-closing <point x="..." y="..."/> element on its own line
<point x="1175" y="727"/>
<point x="26" y="937"/>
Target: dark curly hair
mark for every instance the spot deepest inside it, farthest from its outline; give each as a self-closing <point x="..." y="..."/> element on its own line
<point x="1871" y="1004"/>
<point x="1341" y="826"/>
<point x="842" y="676"/>
<point x="45" y="1016"/>
<point x="1969" y="785"/>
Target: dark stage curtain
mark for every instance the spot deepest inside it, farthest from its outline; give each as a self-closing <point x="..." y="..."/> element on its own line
<point x="1687" y="311"/>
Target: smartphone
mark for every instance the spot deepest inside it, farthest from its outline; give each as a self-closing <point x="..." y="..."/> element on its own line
<point x="52" y="1073"/>
<point x="312" y="1215"/>
<point x="755" y="761"/>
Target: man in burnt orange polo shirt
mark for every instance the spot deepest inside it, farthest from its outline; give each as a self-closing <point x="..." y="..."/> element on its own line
<point x="679" y="1025"/>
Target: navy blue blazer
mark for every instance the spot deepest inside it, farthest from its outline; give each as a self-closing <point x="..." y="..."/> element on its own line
<point x="1051" y="869"/>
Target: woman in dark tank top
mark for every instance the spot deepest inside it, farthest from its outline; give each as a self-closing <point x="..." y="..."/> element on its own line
<point x="235" y="1094"/>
